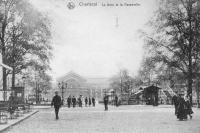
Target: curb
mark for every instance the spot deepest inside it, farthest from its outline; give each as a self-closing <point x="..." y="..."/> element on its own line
<point x="17" y="122"/>
<point x="47" y="107"/>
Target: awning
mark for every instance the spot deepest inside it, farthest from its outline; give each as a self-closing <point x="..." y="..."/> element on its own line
<point x="5" y="66"/>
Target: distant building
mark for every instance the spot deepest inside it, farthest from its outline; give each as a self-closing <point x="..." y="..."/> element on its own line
<point x="78" y="85"/>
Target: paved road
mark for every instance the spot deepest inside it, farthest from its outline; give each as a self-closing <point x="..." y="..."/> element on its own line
<point x="124" y="119"/>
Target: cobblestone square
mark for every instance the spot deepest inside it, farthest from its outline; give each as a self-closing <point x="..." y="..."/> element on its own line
<point x="123" y="119"/>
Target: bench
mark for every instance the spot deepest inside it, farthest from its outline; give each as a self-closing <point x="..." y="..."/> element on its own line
<point x="21" y="109"/>
<point x="3" y="113"/>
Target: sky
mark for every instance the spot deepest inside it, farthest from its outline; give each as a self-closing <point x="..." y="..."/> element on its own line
<point x="96" y="41"/>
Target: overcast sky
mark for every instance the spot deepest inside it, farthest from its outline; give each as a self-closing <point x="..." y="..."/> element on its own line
<point x="96" y="41"/>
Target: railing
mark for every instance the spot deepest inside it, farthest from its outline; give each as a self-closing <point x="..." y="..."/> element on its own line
<point x="171" y="90"/>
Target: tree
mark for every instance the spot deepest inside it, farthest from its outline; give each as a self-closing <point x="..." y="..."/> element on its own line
<point x="147" y="70"/>
<point x="37" y="79"/>
<point x="177" y="36"/>
<point x="122" y="82"/>
<point x="25" y="36"/>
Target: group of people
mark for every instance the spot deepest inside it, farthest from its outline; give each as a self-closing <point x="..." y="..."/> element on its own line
<point x="79" y="101"/>
<point x="89" y="101"/>
<point x="183" y="107"/>
<point x="57" y="102"/>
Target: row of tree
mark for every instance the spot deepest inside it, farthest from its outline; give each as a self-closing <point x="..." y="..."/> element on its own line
<point x="24" y="41"/>
<point x="172" y="48"/>
<point x="174" y="44"/>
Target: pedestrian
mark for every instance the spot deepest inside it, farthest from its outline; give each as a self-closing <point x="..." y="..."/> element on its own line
<point x="93" y="101"/>
<point x="90" y="101"/>
<point x="74" y="101"/>
<point x="116" y="100"/>
<point x="181" y="109"/>
<point x="175" y="102"/>
<point x="188" y="107"/>
<point x="56" y="102"/>
<point x="106" y="102"/>
<point x="69" y="100"/>
<point x="86" y="102"/>
<point x="80" y="101"/>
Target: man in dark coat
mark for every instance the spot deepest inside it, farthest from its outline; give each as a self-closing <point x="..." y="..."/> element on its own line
<point x="57" y="102"/>
<point x="80" y="101"/>
<point x="93" y="101"/>
<point x="86" y="101"/>
<point x="90" y="101"/>
<point x="69" y="100"/>
<point x="106" y="102"/>
<point x="175" y="103"/>
<point x="74" y="101"/>
<point x="116" y="101"/>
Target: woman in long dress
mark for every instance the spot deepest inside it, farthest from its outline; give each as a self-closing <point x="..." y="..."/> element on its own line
<point x="181" y="109"/>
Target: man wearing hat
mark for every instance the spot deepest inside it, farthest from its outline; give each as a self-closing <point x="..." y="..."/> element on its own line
<point x="57" y="102"/>
<point x="175" y="102"/>
<point x="106" y="102"/>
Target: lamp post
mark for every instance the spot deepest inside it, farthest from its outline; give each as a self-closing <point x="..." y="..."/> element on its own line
<point x="23" y="93"/>
<point x="62" y="86"/>
<point x="37" y="93"/>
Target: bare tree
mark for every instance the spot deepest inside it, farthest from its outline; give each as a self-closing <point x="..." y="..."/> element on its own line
<point x="122" y="82"/>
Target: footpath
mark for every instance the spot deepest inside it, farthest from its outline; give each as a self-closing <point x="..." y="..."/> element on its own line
<point x="12" y="122"/>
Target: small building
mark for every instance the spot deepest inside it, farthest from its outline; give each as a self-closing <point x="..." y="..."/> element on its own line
<point x="145" y="95"/>
<point x="151" y="95"/>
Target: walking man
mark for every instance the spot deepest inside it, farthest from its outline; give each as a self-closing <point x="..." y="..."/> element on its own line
<point x="175" y="102"/>
<point x="106" y="102"/>
<point x="93" y="101"/>
<point x="74" y="101"/>
<point x="57" y="102"/>
<point x="116" y="101"/>
<point x="86" y="101"/>
<point x="89" y="101"/>
<point x="80" y="101"/>
<point x="69" y="100"/>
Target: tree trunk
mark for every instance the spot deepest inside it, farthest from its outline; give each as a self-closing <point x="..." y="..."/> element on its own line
<point x="190" y="76"/>
<point x="3" y="50"/>
<point x="189" y="90"/>
<point x="4" y="84"/>
<point x="13" y="78"/>
<point x="4" y="75"/>
<point x="197" y="91"/>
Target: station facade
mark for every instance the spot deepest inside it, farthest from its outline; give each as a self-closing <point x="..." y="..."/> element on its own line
<point x="75" y="85"/>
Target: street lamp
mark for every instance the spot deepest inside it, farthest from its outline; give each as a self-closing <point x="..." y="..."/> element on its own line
<point x="23" y="79"/>
<point x="62" y="87"/>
